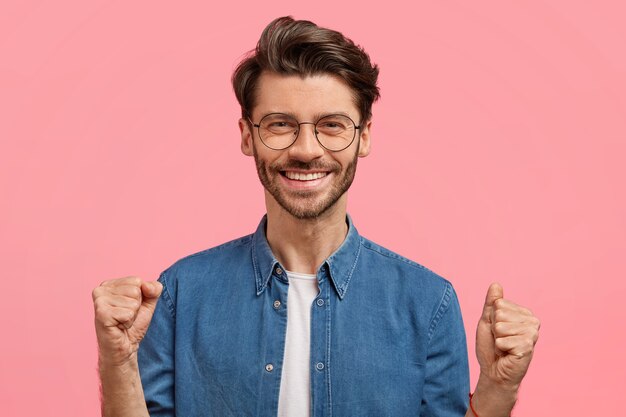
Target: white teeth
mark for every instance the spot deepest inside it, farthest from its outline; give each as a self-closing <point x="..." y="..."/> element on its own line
<point x="304" y="177"/>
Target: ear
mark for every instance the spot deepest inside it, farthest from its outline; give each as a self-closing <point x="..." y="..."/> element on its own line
<point x="246" y="137"/>
<point x="365" y="137"/>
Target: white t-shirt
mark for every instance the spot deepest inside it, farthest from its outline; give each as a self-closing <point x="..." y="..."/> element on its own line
<point x="295" y="386"/>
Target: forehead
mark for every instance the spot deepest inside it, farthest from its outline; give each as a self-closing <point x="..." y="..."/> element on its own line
<point x="305" y="97"/>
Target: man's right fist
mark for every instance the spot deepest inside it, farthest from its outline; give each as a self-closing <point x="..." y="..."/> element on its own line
<point x="123" y="310"/>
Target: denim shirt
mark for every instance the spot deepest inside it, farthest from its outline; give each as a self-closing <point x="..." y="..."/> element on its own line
<point x="387" y="337"/>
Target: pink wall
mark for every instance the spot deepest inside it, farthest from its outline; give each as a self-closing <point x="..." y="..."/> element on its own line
<point x="498" y="155"/>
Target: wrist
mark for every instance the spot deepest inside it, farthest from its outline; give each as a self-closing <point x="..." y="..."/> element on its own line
<point x="494" y="399"/>
<point x="503" y="388"/>
<point x="110" y="363"/>
<point x="121" y="389"/>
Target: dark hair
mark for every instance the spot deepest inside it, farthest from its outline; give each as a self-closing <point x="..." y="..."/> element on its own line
<point x="300" y="47"/>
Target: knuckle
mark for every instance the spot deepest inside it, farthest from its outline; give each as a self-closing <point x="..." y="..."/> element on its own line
<point x="535" y="337"/>
<point x="135" y="292"/>
<point x="529" y="345"/>
<point x="101" y="312"/>
<point x="130" y="318"/>
<point x="98" y="304"/>
<point x="499" y="315"/>
<point x="136" y="281"/>
<point x="95" y="293"/>
<point x="500" y="343"/>
<point x="499" y="327"/>
<point x="531" y="332"/>
<point x="124" y="315"/>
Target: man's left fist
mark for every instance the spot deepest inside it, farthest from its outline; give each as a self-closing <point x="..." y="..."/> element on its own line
<point x="505" y="339"/>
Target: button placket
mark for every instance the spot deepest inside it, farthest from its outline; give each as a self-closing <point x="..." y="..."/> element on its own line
<point x="274" y="322"/>
<point x="320" y="345"/>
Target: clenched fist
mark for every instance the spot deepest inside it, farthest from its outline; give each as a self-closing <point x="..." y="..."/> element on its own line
<point x="123" y="310"/>
<point x="505" y="339"/>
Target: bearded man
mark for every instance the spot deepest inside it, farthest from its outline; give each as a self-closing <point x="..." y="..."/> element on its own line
<point x="304" y="317"/>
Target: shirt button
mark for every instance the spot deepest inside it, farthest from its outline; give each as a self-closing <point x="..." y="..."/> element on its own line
<point x="269" y="367"/>
<point x="320" y="302"/>
<point x="279" y="271"/>
<point x="277" y="304"/>
<point x="319" y="366"/>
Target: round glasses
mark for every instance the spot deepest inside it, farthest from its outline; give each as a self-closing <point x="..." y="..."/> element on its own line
<point x="279" y="131"/>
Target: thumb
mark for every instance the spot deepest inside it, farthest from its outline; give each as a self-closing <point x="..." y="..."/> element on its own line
<point x="486" y="350"/>
<point x="494" y="292"/>
<point x="150" y="292"/>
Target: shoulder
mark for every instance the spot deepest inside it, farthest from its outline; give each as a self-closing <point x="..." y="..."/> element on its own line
<point x="221" y="252"/>
<point x="411" y="284"/>
<point x="397" y="264"/>
<point x="207" y="262"/>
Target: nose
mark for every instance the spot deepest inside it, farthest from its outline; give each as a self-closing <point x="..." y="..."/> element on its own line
<point x="306" y="147"/>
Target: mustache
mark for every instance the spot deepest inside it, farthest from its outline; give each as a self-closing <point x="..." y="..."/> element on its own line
<point x="305" y="166"/>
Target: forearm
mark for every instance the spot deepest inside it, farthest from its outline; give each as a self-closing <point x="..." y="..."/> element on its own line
<point x="122" y="392"/>
<point x="492" y="400"/>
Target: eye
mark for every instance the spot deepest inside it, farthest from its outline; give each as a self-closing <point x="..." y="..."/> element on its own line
<point x="334" y="125"/>
<point x="279" y="123"/>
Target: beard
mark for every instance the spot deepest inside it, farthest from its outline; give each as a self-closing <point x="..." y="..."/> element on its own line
<point x="305" y="204"/>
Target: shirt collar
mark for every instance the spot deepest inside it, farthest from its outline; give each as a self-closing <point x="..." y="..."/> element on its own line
<point x="339" y="265"/>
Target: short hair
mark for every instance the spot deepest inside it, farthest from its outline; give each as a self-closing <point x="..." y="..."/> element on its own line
<point x="300" y="47"/>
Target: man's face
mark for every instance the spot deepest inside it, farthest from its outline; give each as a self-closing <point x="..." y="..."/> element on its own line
<point x="284" y="173"/>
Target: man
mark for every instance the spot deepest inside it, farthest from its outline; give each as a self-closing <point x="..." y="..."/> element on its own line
<point x="305" y="316"/>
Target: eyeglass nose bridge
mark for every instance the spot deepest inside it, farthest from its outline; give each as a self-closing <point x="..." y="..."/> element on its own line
<point x="297" y="131"/>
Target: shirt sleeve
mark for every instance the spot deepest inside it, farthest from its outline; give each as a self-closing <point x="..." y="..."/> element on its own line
<point x="156" y="356"/>
<point x="446" y="385"/>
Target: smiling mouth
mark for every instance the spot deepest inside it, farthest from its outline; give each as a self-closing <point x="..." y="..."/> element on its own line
<point x="303" y="176"/>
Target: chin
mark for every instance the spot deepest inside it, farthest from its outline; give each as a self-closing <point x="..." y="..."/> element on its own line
<point x="305" y="211"/>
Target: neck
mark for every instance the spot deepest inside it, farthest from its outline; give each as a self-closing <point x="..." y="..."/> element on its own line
<point x="301" y="245"/>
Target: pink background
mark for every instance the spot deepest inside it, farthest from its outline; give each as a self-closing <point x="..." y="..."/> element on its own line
<point x="498" y="155"/>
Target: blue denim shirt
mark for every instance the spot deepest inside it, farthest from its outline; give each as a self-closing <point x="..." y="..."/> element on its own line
<point x="387" y="337"/>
